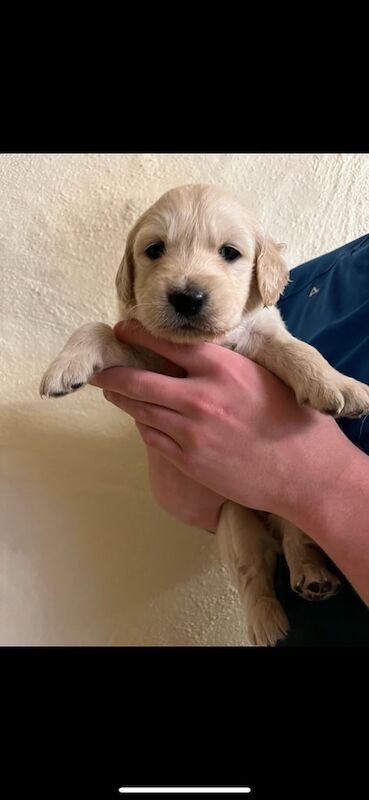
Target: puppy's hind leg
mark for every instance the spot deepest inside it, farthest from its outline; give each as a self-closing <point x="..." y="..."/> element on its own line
<point x="309" y="575"/>
<point x="249" y="551"/>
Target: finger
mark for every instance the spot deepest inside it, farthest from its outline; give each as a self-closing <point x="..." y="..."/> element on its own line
<point x="148" y="387"/>
<point x="194" y="358"/>
<point x="160" y="442"/>
<point x="162" y="419"/>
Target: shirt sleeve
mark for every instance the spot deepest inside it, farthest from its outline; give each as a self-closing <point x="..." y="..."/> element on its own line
<point x="326" y="304"/>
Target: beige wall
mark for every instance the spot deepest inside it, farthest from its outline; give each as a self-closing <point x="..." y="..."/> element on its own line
<point x="85" y="556"/>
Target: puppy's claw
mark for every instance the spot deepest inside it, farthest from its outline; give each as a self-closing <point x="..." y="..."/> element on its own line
<point x="65" y="377"/>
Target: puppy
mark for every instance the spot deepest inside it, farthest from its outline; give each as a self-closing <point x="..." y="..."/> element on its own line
<point x="197" y="267"/>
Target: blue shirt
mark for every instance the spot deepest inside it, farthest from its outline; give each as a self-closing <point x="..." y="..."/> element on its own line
<point x="327" y="304"/>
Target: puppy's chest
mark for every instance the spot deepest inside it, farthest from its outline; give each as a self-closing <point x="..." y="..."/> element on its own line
<point x="242" y="339"/>
<point x="249" y="336"/>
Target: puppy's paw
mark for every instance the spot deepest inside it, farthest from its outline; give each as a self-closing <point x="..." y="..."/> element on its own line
<point x="67" y="374"/>
<point x="315" y="583"/>
<point x="337" y="395"/>
<point x="266" y="622"/>
<point x="324" y="395"/>
<point x="356" y="398"/>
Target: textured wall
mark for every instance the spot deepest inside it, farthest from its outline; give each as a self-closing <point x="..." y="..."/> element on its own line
<point x="86" y="557"/>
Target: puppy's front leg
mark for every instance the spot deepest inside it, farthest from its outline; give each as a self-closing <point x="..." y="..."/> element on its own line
<point x="312" y="378"/>
<point x="92" y="348"/>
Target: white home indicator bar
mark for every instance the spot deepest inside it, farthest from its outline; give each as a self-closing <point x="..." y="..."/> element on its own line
<point x="185" y="789"/>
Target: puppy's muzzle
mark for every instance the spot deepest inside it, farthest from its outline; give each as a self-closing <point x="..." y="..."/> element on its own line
<point x="187" y="302"/>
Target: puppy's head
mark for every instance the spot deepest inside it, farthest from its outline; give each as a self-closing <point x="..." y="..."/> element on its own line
<point x="195" y="263"/>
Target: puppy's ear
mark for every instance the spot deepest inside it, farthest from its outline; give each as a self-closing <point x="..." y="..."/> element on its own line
<point x="271" y="270"/>
<point x="124" y="281"/>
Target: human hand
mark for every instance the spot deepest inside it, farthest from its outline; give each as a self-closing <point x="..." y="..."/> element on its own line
<point x="185" y="499"/>
<point x="229" y="425"/>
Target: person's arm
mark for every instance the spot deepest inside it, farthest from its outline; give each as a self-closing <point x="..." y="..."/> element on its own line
<point x="233" y="427"/>
<point x="335" y="512"/>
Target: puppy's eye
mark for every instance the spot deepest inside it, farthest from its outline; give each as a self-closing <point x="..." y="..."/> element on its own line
<point x="229" y="253"/>
<point x="156" y="250"/>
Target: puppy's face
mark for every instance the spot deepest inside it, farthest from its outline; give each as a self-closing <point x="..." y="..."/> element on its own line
<point x="195" y="263"/>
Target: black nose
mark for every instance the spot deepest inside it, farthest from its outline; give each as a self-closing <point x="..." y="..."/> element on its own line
<point x="187" y="302"/>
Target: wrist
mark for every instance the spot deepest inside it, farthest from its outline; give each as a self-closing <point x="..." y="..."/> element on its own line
<point x="316" y="468"/>
<point x="328" y="485"/>
<point x="336" y="517"/>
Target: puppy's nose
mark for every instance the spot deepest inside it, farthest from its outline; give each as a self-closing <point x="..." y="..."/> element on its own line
<point x="187" y="302"/>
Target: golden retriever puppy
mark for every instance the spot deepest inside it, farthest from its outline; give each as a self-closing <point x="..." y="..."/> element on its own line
<point x="217" y="277"/>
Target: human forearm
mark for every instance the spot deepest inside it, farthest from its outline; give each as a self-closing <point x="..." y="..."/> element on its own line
<point x="333" y="509"/>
